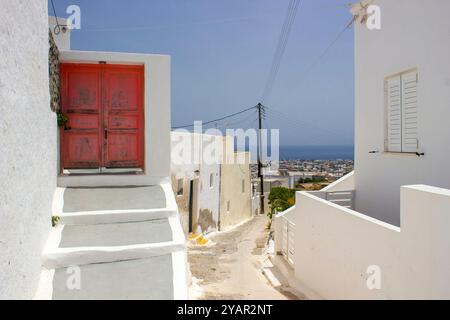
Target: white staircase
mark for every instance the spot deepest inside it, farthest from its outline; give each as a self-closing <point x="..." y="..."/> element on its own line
<point x="122" y="242"/>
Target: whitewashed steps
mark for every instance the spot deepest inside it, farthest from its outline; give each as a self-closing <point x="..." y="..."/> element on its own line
<point x="149" y="279"/>
<point x="116" y="236"/>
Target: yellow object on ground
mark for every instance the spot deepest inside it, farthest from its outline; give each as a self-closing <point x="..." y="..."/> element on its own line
<point x="198" y="239"/>
<point x="193" y="236"/>
<point x="201" y="241"/>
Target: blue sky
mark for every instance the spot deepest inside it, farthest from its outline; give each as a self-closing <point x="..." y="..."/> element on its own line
<point x="222" y="53"/>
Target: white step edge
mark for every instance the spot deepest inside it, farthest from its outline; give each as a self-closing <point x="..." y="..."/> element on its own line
<point x="115" y="216"/>
<point x="273" y="280"/>
<point x="65" y="257"/>
<point x="55" y="257"/>
<point x="54" y="238"/>
<point x="180" y="275"/>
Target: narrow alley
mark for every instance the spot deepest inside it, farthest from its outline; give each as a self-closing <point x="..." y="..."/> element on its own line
<point x="230" y="266"/>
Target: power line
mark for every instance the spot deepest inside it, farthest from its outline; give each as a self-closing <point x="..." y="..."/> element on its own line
<point x="58" y="26"/>
<point x="280" y="43"/>
<point x="247" y="121"/>
<point x="281" y="47"/>
<point x="327" y="49"/>
<point x="216" y="120"/>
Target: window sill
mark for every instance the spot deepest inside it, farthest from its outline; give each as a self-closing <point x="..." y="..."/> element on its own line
<point x="412" y="154"/>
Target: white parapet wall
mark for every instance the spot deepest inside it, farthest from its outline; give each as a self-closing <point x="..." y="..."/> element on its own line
<point x="339" y="253"/>
<point x="345" y="183"/>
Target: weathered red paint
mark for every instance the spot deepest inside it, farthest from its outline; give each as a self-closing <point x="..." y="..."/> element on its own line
<point x="104" y="104"/>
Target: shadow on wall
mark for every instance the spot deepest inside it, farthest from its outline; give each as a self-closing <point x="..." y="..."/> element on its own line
<point x="206" y="221"/>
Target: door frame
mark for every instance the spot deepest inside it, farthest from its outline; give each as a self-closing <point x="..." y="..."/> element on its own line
<point x="103" y="120"/>
<point x="157" y="94"/>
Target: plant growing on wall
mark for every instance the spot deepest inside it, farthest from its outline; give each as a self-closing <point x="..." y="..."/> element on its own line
<point x="55" y="220"/>
<point x="62" y="120"/>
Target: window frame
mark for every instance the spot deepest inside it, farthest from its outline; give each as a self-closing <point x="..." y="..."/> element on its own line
<point x="386" y="112"/>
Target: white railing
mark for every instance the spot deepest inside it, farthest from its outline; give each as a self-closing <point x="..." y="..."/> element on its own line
<point x="342" y="198"/>
<point x="287" y="240"/>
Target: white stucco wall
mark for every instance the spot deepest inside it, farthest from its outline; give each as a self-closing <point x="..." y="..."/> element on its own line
<point x="233" y="176"/>
<point x="335" y="246"/>
<point x="414" y="34"/>
<point x="208" y="198"/>
<point x="27" y="146"/>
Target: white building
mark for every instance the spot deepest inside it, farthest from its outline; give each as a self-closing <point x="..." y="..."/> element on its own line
<point x="417" y="61"/>
<point x="383" y="231"/>
<point x="236" y="191"/>
<point x="196" y="181"/>
<point x="121" y="242"/>
<point x="211" y="182"/>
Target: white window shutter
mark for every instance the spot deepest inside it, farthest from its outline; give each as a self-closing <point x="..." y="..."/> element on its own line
<point x="410" y="138"/>
<point x="394" y="114"/>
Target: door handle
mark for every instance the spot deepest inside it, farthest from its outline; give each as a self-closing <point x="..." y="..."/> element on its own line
<point x="106" y="133"/>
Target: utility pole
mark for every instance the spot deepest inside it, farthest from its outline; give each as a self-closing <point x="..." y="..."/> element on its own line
<point x="260" y="165"/>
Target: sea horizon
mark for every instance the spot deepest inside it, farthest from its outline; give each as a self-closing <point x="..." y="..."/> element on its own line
<point x="319" y="152"/>
<point x="311" y="152"/>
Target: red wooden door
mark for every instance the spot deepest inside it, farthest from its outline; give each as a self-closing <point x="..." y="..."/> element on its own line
<point x="81" y="102"/>
<point x="123" y="117"/>
<point x="104" y="105"/>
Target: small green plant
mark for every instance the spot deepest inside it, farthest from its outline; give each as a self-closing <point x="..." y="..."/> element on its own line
<point x="280" y="199"/>
<point x="62" y="120"/>
<point x="55" y="220"/>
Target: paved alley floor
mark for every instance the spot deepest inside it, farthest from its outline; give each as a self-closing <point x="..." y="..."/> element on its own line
<point x="230" y="268"/>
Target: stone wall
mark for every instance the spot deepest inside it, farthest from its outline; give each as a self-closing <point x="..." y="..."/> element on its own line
<point x="54" y="75"/>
